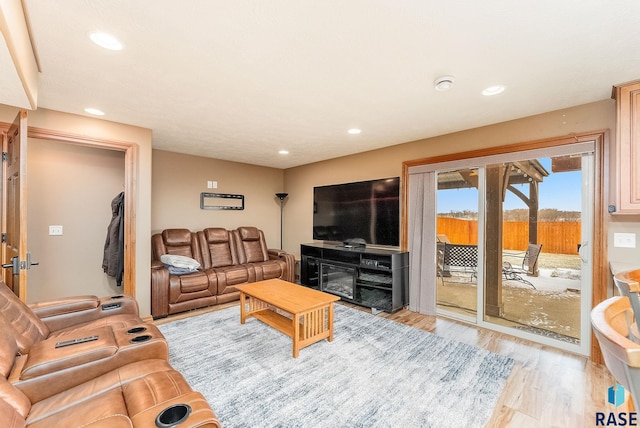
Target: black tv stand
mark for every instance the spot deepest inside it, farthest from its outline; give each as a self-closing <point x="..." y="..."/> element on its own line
<point x="371" y="277"/>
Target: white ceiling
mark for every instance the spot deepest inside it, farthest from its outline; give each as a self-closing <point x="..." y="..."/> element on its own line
<point x="242" y="79"/>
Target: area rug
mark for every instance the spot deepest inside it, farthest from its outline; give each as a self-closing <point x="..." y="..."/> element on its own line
<point x="375" y="373"/>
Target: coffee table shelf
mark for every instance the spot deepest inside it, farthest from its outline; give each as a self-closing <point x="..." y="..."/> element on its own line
<point x="275" y="320"/>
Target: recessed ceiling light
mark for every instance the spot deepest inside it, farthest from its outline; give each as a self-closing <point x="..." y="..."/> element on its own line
<point x="354" y="131"/>
<point x="443" y="83"/>
<point x="493" y="90"/>
<point x="95" y="111"/>
<point x="106" y="41"/>
<point x="284" y="152"/>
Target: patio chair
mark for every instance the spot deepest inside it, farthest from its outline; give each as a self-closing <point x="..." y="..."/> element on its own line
<point x="529" y="261"/>
<point x="621" y="355"/>
<point x="460" y="258"/>
<point x="441" y="241"/>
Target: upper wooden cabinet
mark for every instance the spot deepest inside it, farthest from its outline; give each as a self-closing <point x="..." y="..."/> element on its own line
<point x="627" y="96"/>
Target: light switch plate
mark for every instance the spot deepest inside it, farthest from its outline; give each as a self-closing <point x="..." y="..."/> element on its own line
<point x="624" y="240"/>
<point x="55" y="230"/>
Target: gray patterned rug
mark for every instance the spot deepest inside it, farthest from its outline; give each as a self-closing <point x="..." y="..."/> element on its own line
<point x="375" y="373"/>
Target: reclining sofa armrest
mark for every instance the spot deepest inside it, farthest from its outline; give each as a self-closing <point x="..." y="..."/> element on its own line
<point x="159" y="292"/>
<point x="65" y="305"/>
<point x="71" y="311"/>
<point x="119" y="304"/>
<point x="275" y="253"/>
<point x="289" y="259"/>
<point x="201" y="415"/>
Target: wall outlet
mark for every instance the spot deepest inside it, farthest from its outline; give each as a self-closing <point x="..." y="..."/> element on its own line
<point x="212" y="184"/>
<point x="55" y="230"/>
<point x="624" y="240"/>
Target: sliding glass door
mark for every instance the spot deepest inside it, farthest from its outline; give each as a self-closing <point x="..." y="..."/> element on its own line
<point x="457" y="242"/>
<point x="513" y="243"/>
<point x="535" y="229"/>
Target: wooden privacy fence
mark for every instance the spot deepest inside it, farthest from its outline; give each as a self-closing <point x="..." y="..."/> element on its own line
<point x="556" y="237"/>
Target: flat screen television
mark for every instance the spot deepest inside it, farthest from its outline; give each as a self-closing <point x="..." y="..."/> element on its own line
<point x="365" y="210"/>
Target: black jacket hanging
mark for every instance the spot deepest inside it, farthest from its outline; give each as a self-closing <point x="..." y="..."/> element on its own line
<point x="113" y="261"/>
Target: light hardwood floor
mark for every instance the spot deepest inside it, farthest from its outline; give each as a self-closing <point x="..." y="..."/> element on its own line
<point x="547" y="387"/>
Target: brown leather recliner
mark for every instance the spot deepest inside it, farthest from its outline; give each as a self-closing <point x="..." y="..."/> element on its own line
<point x="268" y="263"/>
<point x="64" y="317"/>
<point x="47" y="362"/>
<point x="114" y="380"/>
<point x="177" y="293"/>
<point x="220" y="262"/>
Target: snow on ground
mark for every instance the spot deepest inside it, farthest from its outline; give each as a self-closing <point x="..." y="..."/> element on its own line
<point x="558" y="279"/>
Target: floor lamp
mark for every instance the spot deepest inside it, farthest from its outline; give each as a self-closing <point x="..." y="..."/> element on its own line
<point x="282" y="197"/>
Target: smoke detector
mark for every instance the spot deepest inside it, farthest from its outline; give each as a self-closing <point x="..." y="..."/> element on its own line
<point x="443" y="83"/>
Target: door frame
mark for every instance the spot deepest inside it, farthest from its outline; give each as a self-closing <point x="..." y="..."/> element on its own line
<point x="130" y="188"/>
<point x="600" y="277"/>
<point x="15" y="156"/>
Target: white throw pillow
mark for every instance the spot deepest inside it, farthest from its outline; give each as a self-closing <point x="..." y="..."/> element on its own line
<point x="180" y="261"/>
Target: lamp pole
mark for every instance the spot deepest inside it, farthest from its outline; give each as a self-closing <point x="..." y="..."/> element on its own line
<point x="282" y="197"/>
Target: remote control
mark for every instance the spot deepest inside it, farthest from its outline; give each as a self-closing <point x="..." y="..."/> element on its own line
<point x="74" y="341"/>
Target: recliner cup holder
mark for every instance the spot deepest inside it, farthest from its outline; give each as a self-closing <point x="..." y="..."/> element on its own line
<point x="173" y="415"/>
<point x="136" y="330"/>
<point x="142" y="338"/>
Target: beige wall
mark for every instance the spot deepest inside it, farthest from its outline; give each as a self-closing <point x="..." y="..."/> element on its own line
<point x="179" y="179"/>
<point x="71" y="186"/>
<point x="299" y="182"/>
<point x="105" y="130"/>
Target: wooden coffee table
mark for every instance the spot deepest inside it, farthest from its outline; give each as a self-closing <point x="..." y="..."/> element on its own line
<point x="304" y="314"/>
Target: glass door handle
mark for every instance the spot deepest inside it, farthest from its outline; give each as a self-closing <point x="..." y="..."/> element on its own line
<point x="582" y="246"/>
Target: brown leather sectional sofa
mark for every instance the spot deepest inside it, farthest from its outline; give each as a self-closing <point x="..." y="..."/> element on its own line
<point x="227" y="258"/>
<point x="89" y="362"/>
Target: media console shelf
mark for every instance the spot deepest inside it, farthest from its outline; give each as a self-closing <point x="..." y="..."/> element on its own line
<point x="371" y="277"/>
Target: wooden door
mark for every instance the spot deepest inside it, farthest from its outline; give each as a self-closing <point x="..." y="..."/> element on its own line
<point x="16" y="259"/>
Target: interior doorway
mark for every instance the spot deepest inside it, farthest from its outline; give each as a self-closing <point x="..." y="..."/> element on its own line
<point x="71" y="188"/>
<point x="130" y="151"/>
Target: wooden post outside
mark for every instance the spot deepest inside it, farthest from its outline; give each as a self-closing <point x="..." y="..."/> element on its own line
<point x="493" y="241"/>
